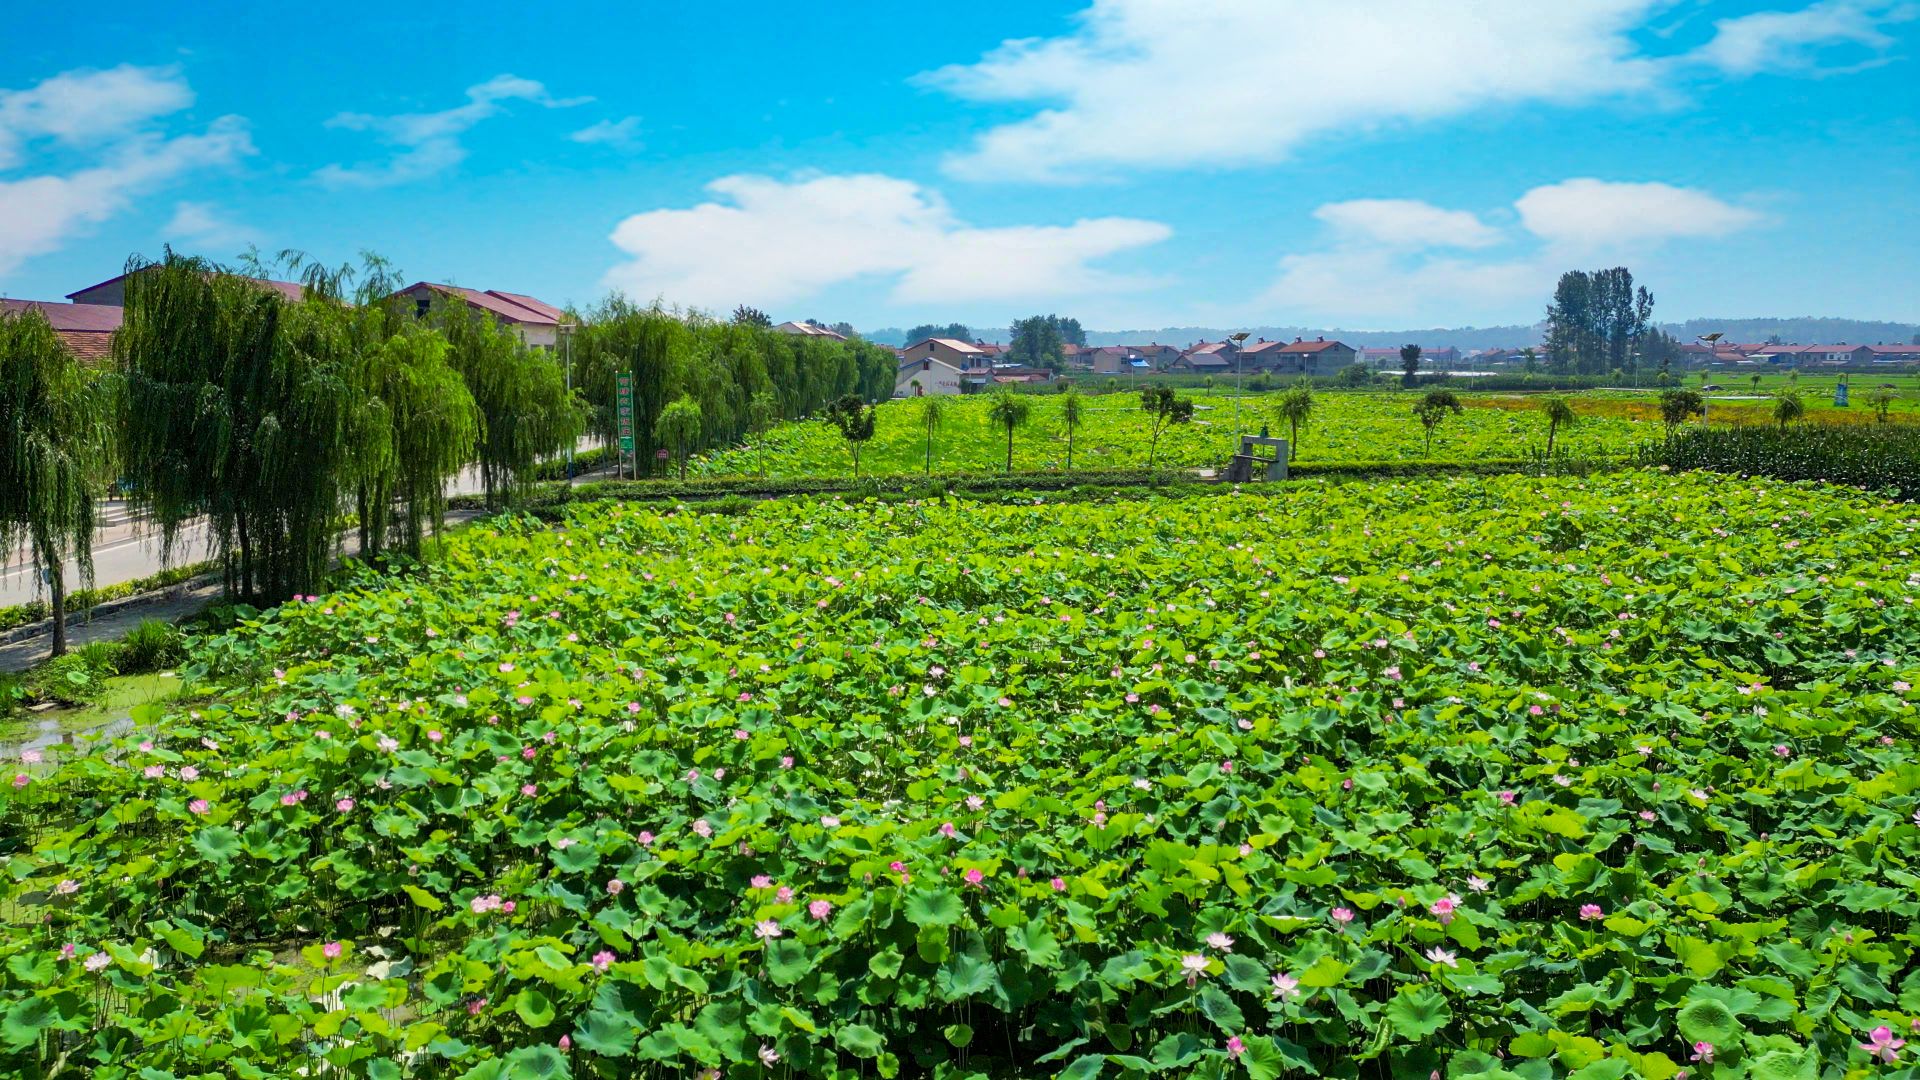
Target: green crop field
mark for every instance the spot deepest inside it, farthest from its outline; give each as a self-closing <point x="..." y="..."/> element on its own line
<point x="1508" y="777"/>
<point x="1116" y="433"/>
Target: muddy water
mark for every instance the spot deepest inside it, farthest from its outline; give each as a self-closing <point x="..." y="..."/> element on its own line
<point x="73" y="730"/>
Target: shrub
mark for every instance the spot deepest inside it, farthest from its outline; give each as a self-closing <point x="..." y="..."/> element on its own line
<point x="151" y="646"/>
<point x="1878" y="456"/>
<point x="76" y="678"/>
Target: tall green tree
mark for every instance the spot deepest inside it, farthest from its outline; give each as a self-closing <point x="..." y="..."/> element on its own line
<point x="956" y="331"/>
<point x="932" y="412"/>
<point x="751" y="316"/>
<point x="419" y="427"/>
<point x="1559" y="412"/>
<point x="1433" y="409"/>
<point x="855" y="420"/>
<point x="679" y="426"/>
<point x="1676" y="404"/>
<point x="1163" y="408"/>
<point x="526" y="413"/>
<point x="1409" y="364"/>
<point x="239" y="407"/>
<point x="1037" y="342"/>
<point x="762" y="410"/>
<point x="1008" y="410"/>
<point x="57" y="449"/>
<point x="1597" y="321"/>
<point x="1294" y="407"/>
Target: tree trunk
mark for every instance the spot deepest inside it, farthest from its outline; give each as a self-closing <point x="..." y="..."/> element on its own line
<point x="1009" y="449"/>
<point x="1069" y="447"/>
<point x="929" y="451"/>
<point x="1551" y="431"/>
<point x="246" y="560"/>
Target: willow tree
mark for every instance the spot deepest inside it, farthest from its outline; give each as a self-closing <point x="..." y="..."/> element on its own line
<point x="680" y="426"/>
<point x="521" y="395"/>
<point x="56" y="453"/>
<point x="238" y="407"/>
<point x="762" y="411"/>
<point x="420" y="427"/>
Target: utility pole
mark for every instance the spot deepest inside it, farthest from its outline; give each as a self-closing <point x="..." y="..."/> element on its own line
<point x="566" y="353"/>
<point x="1239" y="344"/>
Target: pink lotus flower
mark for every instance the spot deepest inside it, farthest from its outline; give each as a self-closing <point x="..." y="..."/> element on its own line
<point x="615" y="886"/>
<point x="761" y="881"/>
<point x="1881" y="1044"/>
<point x="602" y="960"/>
<point x="1702" y="1053"/>
<point x="1507" y="797"/>
<point x="1219" y="941"/>
<point x="1476" y="883"/>
<point x="344" y="805"/>
<point x="529" y="790"/>
<point x="946" y="829"/>
<point x="1591" y="912"/>
<point x="331" y="950"/>
<point x="189" y="773"/>
<point x="767" y="929"/>
<point x="97" y="961"/>
<point x="974" y="877"/>
<point x="1235" y="1046"/>
<point x="786" y="761"/>
<point x="1342" y="916"/>
<point x="820" y="909"/>
<point x="645" y="838"/>
<point x="199" y="806"/>
<point x="1442" y="909"/>
<point x="1441" y="956"/>
<point x="768" y="1055"/>
<point x="67" y="887"/>
<point x="1285" y="986"/>
<point x="783" y="895"/>
<point x="1058" y="885"/>
<point x="151" y="772"/>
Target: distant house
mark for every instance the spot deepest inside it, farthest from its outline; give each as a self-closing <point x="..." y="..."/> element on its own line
<point x="1837" y="354"/>
<point x="1316" y="357"/>
<point x="1156" y="355"/>
<point x="85" y="329"/>
<point x="1896" y="354"/>
<point x="1390" y="358"/>
<point x="805" y="329"/>
<point x="956" y="354"/>
<point x="534" y="321"/>
<point x="1206" y="358"/>
<point x="931" y="376"/>
<point x="113" y="291"/>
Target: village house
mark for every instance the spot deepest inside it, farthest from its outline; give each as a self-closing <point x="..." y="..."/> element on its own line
<point x="113" y="291"/>
<point x="806" y="329"/>
<point x="85" y="329"/>
<point x="931" y="376"/>
<point x="534" y="322"/>
<point x="1206" y="357"/>
<point x="956" y="354"/>
<point x="1896" y="354"/>
<point x="1316" y="357"/>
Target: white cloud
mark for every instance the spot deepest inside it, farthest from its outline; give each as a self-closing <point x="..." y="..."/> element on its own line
<point x="622" y="133"/>
<point x="1407" y="223"/>
<point x="202" y="225"/>
<point x="1597" y="215"/>
<point x="1788" y="40"/>
<point x="765" y="241"/>
<point x="108" y="120"/>
<point x="430" y="142"/>
<point x="38" y="213"/>
<point x="1376" y="278"/>
<point x="1168" y="83"/>
<point x="80" y="108"/>
<point x="1157" y="84"/>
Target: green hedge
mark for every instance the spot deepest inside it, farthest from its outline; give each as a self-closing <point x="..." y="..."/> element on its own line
<point x="80" y="600"/>
<point x="1881" y="457"/>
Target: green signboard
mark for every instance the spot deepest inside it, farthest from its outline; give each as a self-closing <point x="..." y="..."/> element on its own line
<point x="623" y="388"/>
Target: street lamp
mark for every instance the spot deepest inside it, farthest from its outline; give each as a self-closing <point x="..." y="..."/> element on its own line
<point x="1239" y="341"/>
<point x="565" y="330"/>
<point x="1713" y="344"/>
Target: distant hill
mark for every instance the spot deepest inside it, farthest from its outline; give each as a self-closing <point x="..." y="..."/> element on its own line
<point x="1805" y="330"/>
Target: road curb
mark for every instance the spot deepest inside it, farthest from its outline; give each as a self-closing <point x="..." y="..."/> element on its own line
<point x="108" y="607"/>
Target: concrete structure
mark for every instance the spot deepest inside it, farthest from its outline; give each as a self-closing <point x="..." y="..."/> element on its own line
<point x="931" y="376"/>
<point x="1259" y="456"/>
<point x="85" y="329"/>
<point x="535" y="322"/>
<point x="957" y="354"/>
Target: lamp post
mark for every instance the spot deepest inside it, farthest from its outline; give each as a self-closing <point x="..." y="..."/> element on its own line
<point x="1239" y="340"/>
<point x="1713" y="343"/>
<point x="566" y="352"/>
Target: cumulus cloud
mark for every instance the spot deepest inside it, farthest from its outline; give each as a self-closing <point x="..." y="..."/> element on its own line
<point x="1369" y="275"/>
<point x="1157" y="84"/>
<point x="199" y="225"/>
<point x="622" y="133"/>
<point x="1785" y="41"/>
<point x="1407" y="223"/>
<point x="81" y="108"/>
<point x="429" y="143"/>
<point x="108" y="118"/>
<point x="768" y="241"/>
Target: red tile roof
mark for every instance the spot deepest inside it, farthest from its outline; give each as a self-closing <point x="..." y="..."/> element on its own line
<point x="1312" y="346"/>
<point x="291" y="290"/>
<point x="85" y="318"/>
<point x="509" y="307"/>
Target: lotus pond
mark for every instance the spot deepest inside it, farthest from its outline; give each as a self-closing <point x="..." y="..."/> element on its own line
<point x="1500" y="776"/>
<point x="1115" y="433"/>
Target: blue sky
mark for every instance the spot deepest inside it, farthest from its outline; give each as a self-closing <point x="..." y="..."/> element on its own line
<point x="1137" y="163"/>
